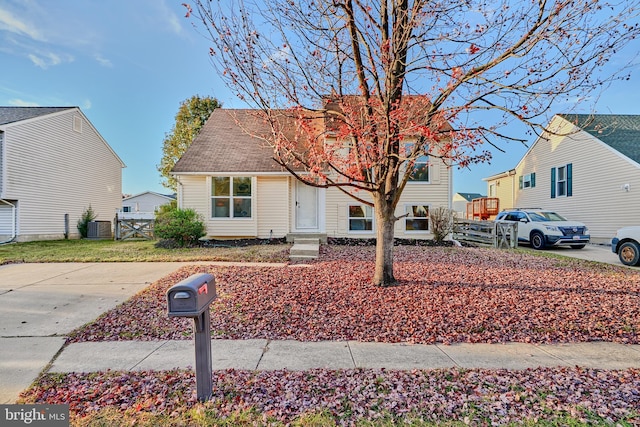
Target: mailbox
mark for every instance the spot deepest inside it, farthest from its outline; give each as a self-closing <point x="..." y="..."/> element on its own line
<point x="192" y="296"/>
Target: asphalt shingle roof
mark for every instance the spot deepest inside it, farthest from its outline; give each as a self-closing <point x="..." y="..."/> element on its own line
<point x="16" y="114"/>
<point x="620" y="132"/>
<point x="230" y="142"/>
<point x="470" y="196"/>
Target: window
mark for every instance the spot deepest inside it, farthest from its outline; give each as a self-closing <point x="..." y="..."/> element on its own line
<point x="126" y="209"/>
<point x="528" y="180"/>
<point x="420" y="167"/>
<point x="231" y="197"/>
<point x="561" y="181"/>
<point x="417" y="218"/>
<point x="360" y="218"/>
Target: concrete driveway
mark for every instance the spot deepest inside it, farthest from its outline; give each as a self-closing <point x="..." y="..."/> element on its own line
<point x="591" y="252"/>
<point x="41" y="303"/>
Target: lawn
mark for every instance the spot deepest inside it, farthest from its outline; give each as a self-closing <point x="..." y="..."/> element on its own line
<point x="444" y="295"/>
<point x="86" y="250"/>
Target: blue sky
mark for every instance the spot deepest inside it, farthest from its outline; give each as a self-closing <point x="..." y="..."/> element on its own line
<point x="129" y="64"/>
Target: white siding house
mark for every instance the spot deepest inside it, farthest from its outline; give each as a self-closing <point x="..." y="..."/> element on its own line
<point x="53" y="165"/>
<point x="144" y="205"/>
<point x="586" y="168"/>
<point x="231" y="179"/>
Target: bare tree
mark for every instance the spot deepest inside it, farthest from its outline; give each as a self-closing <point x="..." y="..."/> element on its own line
<point x="397" y="80"/>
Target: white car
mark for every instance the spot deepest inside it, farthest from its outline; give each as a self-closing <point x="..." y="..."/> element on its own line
<point x="541" y="228"/>
<point x="626" y="244"/>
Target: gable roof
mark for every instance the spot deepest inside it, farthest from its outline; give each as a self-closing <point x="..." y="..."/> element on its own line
<point x="470" y="196"/>
<point x="620" y="132"/>
<point x="17" y="114"/>
<point x="229" y="142"/>
<point x="164" y="196"/>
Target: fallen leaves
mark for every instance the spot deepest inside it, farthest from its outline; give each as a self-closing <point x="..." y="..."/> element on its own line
<point x="444" y="295"/>
<point x="474" y="396"/>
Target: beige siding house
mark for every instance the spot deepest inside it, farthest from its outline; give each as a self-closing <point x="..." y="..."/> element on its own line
<point x="586" y="168"/>
<point x="53" y="165"/>
<point x="229" y="176"/>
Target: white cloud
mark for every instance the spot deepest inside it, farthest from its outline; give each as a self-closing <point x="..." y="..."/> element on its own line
<point x="86" y="105"/>
<point x="48" y="59"/>
<point x="22" y="103"/>
<point x="10" y="23"/>
<point x="103" y="61"/>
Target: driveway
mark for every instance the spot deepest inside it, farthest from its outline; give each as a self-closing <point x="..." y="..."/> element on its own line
<point x="591" y="252"/>
<point x="41" y="303"/>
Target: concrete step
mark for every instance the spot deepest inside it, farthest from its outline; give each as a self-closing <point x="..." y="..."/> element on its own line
<point x="306" y="241"/>
<point x="305" y="248"/>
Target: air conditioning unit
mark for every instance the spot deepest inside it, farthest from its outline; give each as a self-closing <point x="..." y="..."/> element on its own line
<point x="99" y="230"/>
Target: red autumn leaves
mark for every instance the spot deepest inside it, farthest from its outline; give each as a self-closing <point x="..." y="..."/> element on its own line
<point x="444" y="295"/>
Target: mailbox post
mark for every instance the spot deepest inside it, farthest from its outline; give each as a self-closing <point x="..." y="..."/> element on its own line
<point x="191" y="298"/>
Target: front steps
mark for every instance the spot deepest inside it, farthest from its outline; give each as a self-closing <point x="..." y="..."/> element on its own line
<point x="304" y="248"/>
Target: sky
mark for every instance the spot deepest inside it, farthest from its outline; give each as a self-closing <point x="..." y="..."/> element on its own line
<point x="129" y="64"/>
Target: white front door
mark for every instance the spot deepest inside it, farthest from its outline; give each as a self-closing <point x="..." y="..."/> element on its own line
<point x="306" y="207"/>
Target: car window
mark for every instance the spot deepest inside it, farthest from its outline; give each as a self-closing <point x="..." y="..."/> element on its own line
<point x="545" y="216"/>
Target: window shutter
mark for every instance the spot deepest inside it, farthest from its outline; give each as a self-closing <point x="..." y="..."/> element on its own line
<point x="520" y="181"/>
<point x="569" y="180"/>
<point x="533" y="179"/>
<point x="553" y="183"/>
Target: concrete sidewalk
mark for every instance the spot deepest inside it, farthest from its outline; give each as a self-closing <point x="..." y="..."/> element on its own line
<point x="262" y="354"/>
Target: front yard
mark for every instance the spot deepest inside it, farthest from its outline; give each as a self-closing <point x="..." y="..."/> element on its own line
<point x="445" y="295"/>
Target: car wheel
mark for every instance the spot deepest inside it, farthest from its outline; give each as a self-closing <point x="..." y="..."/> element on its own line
<point x="537" y="240"/>
<point x="577" y="246"/>
<point x="629" y="253"/>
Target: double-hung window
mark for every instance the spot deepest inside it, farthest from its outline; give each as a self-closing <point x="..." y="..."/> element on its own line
<point x="417" y="219"/>
<point x="420" y="172"/>
<point x="360" y="218"/>
<point x="561" y="181"/>
<point x="231" y="197"/>
<point x="528" y="180"/>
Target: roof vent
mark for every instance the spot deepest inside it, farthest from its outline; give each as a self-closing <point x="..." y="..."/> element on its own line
<point x="77" y="124"/>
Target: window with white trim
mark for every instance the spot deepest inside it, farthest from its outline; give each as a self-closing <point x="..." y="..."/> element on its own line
<point x="360" y="218"/>
<point x="231" y="197"/>
<point x="562" y="181"/>
<point x="417" y="219"/>
<point x="420" y="171"/>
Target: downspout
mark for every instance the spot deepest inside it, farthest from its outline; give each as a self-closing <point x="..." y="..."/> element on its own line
<point x="13" y="222"/>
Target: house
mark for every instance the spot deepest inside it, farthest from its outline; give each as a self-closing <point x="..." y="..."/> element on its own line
<point x="229" y="176"/>
<point x="585" y="167"/>
<point x="53" y="165"/>
<point x="460" y="200"/>
<point x="144" y="204"/>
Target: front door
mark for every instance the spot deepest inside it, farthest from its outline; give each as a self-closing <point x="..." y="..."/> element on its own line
<point x="306" y="207"/>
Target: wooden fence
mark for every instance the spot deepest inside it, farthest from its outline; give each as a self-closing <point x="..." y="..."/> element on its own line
<point x="131" y="228"/>
<point x="490" y="233"/>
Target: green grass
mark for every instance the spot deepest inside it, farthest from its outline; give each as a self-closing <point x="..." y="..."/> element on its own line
<point x="204" y="415"/>
<point x="132" y="250"/>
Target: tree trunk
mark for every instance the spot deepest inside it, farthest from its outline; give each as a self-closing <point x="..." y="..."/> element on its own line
<point x="385" y="221"/>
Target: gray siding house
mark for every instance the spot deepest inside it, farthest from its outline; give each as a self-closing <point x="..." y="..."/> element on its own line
<point x="53" y="165"/>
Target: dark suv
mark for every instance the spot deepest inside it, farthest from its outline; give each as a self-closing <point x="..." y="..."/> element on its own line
<point x="541" y="228"/>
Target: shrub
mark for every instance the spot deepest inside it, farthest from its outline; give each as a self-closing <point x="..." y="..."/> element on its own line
<point x="442" y="222"/>
<point x="83" y="223"/>
<point x="184" y="226"/>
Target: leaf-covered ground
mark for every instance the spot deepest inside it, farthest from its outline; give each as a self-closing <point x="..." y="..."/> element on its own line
<point x="558" y="396"/>
<point x="444" y="295"/>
